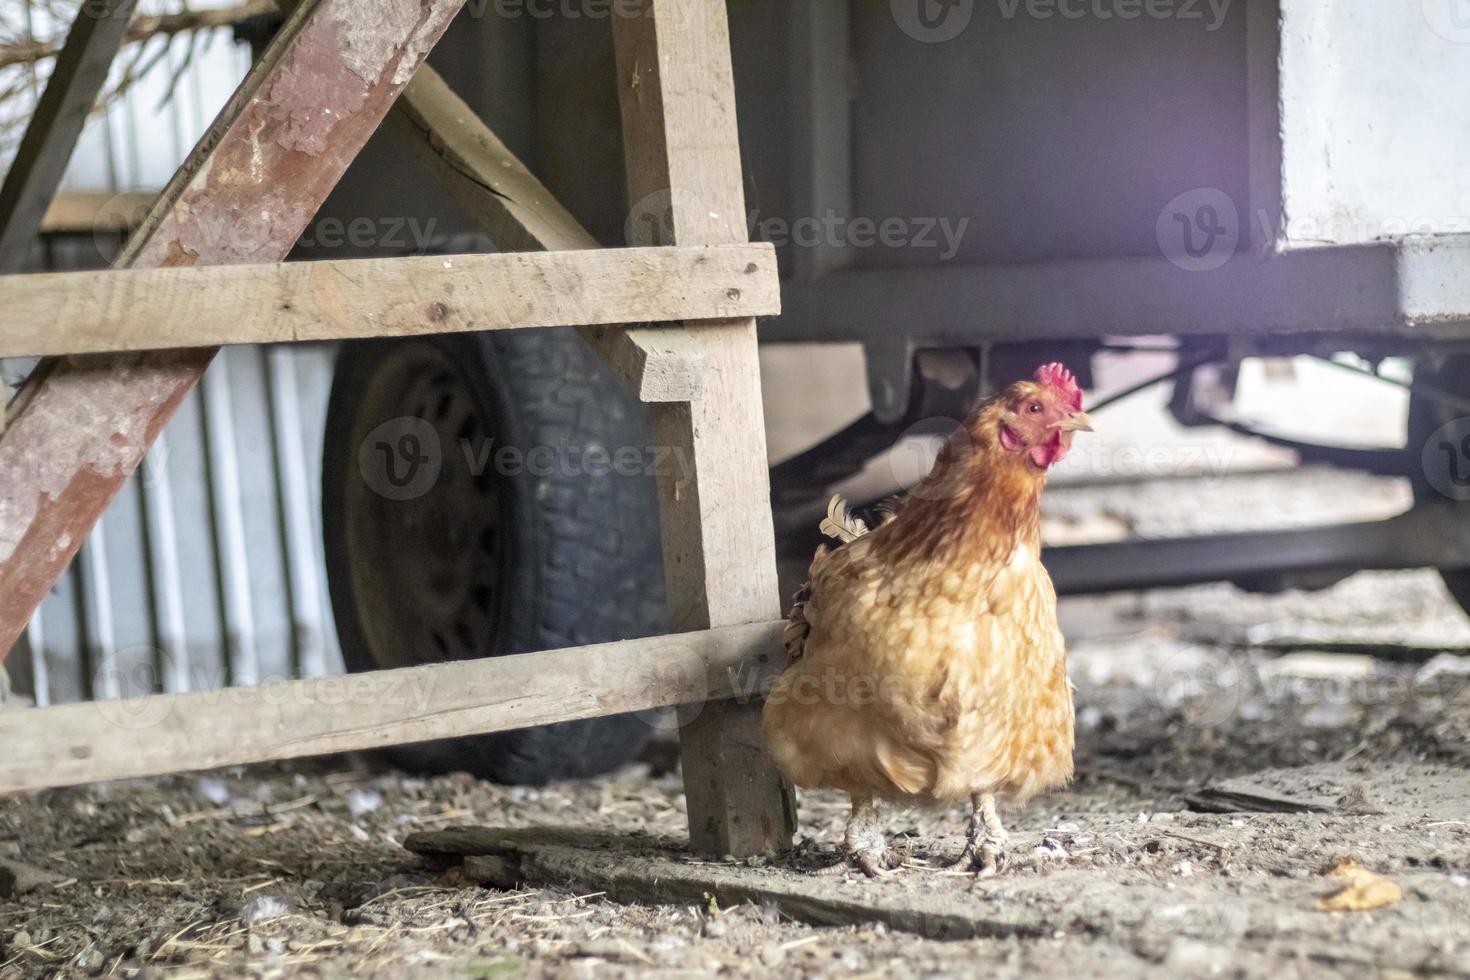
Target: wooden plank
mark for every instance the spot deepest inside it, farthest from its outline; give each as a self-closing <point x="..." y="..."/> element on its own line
<point x="654" y="871"/>
<point x="80" y="426"/>
<point x="83" y="212"/>
<point x="519" y="214"/>
<point x="76" y="79"/>
<point x="677" y="95"/>
<point x="154" y="309"/>
<point x="101" y="740"/>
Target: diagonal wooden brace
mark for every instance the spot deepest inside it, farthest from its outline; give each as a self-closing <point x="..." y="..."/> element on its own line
<point x="246" y="193"/>
<point x="661" y="363"/>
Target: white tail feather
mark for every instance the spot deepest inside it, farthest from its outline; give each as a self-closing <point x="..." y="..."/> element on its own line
<point x="839" y="524"/>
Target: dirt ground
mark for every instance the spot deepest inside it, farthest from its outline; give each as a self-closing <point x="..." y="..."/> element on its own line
<point x="1231" y="748"/>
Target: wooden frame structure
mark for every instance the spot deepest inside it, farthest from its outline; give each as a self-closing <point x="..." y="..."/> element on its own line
<point x="335" y="70"/>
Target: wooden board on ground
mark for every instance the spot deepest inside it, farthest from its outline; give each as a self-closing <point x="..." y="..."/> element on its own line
<point x="155" y="309"/>
<point x="649" y="870"/>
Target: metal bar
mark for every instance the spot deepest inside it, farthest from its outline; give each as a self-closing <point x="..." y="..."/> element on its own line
<point x="1432" y="536"/>
<point x="40" y="670"/>
<point x="163" y="558"/>
<point x="51" y="135"/>
<point x="1408" y="289"/>
<point x="821" y="115"/>
<point x="308" y="617"/>
<point x="101" y="637"/>
<point x="229" y="525"/>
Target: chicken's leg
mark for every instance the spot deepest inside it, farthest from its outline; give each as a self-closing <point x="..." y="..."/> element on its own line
<point x="866" y="843"/>
<point x="986" y="854"/>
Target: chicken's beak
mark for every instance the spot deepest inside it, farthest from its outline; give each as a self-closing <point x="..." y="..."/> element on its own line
<point x="1076" y="422"/>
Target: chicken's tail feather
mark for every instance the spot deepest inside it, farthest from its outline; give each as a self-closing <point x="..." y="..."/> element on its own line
<point x="840" y="524"/>
<point x="793" y="637"/>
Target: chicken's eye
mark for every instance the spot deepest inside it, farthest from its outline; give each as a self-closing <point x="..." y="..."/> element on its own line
<point x="1034" y="408"/>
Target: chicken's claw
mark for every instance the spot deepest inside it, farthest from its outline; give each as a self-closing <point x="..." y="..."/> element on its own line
<point x="985" y="840"/>
<point x="875" y="863"/>
<point x="986" y="858"/>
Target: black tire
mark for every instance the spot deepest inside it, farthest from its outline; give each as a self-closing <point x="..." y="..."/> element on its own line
<point x="1450" y="373"/>
<point x="427" y="565"/>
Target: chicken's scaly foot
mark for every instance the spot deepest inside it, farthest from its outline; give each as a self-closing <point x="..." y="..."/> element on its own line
<point x="985" y="839"/>
<point x="866" y="844"/>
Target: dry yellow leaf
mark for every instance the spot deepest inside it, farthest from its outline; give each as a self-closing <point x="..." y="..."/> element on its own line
<point x="1360" y="889"/>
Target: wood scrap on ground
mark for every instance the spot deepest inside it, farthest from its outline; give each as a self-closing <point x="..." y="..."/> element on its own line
<point x="1357" y="889"/>
<point x="649" y="870"/>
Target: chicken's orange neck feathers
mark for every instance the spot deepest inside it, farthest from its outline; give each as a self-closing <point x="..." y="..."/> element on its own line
<point x="978" y="502"/>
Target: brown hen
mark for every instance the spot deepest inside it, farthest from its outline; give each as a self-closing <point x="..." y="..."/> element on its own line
<point x="927" y="664"/>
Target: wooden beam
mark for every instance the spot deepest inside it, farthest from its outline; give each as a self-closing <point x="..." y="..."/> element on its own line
<point x="676" y="89"/>
<point x="643" y="870"/>
<point x="156" y="309"/>
<point x="80" y="426"/>
<point x="83" y="212"/>
<point x="101" y="740"/>
<point x="520" y="214"/>
<point x="51" y="135"/>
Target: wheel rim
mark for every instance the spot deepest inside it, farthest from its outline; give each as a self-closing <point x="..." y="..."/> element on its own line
<point x="426" y="557"/>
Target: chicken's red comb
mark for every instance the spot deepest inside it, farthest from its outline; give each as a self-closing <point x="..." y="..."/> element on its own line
<point x="1054" y="375"/>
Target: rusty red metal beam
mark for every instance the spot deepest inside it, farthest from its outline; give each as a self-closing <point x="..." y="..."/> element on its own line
<point x="81" y="425"/>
